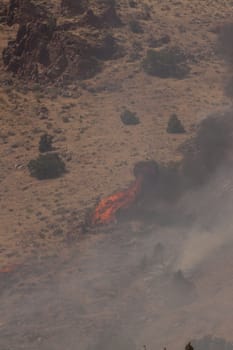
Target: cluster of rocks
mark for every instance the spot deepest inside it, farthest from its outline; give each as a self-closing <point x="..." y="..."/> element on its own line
<point x="45" y="52"/>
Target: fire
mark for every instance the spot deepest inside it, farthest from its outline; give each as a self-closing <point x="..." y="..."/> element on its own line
<point x="8" y="268"/>
<point x="107" y="208"/>
<point x="104" y="213"/>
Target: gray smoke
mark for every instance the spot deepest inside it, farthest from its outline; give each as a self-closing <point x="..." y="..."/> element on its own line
<point x="160" y="278"/>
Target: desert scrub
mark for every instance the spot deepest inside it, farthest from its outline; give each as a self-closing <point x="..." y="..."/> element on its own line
<point x="45" y="143"/>
<point x="129" y="118"/>
<point x="47" y="166"/>
<point x="132" y="3"/>
<point x="166" y="63"/>
<point x="135" y="27"/>
<point x="174" y="125"/>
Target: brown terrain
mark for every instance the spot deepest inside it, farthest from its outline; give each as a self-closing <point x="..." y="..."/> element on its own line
<point x="70" y="72"/>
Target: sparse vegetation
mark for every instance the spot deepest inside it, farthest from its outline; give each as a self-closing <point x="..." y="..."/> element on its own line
<point x="47" y="166"/>
<point x="174" y="125"/>
<point x="158" y="42"/>
<point x="166" y="63"/>
<point x="73" y="6"/>
<point x="45" y="144"/>
<point x="135" y="27"/>
<point x="136" y="51"/>
<point x="129" y="118"/>
<point x="132" y="3"/>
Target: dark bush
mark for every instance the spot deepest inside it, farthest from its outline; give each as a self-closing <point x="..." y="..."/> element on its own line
<point x="189" y="346"/>
<point x="135" y="27"/>
<point x="129" y="118"/>
<point x="166" y="63"/>
<point x="48" y="166"/>
<point x="132" y="3"/>
<point x="45" y="144"/>
<point x="158" y="42"/>
<point x="108" y="2"/>
<point x="74" y="6"/>
<point x="106" y="49"/>
<point x="136" y="52"/>
<point x="174" y="125"/>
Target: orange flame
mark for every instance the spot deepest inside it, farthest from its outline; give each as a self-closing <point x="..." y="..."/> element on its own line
<point x="8" y="268"/>
<point x="107" y="208"/>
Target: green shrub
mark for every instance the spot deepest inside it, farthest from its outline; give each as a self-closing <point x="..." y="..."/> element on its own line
<point x="174" y="125"/>
<point x="47" y="166"/>
<point x="45" y="144"/>
<point x="166" y="63"/>
<point x="129" y="118"/>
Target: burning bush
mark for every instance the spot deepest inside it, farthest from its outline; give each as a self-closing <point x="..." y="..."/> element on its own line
<point x="105" y="212"/>
<point x="166" y="63"/>
<point x="48" y="166"/>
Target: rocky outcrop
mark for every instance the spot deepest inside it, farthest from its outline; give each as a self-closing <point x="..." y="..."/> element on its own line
<point x="24" y="11"/>
<point x="44" y="52"/>
<point x="74" y="7"/>
<point x="108" y="18"/>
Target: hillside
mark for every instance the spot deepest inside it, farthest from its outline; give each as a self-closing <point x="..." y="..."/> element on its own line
<point x="70" y="70"/>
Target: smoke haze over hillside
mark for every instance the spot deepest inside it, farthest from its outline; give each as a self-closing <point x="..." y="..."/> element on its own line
<point x="161" y="275"/>
<point x="141" y="281"/>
